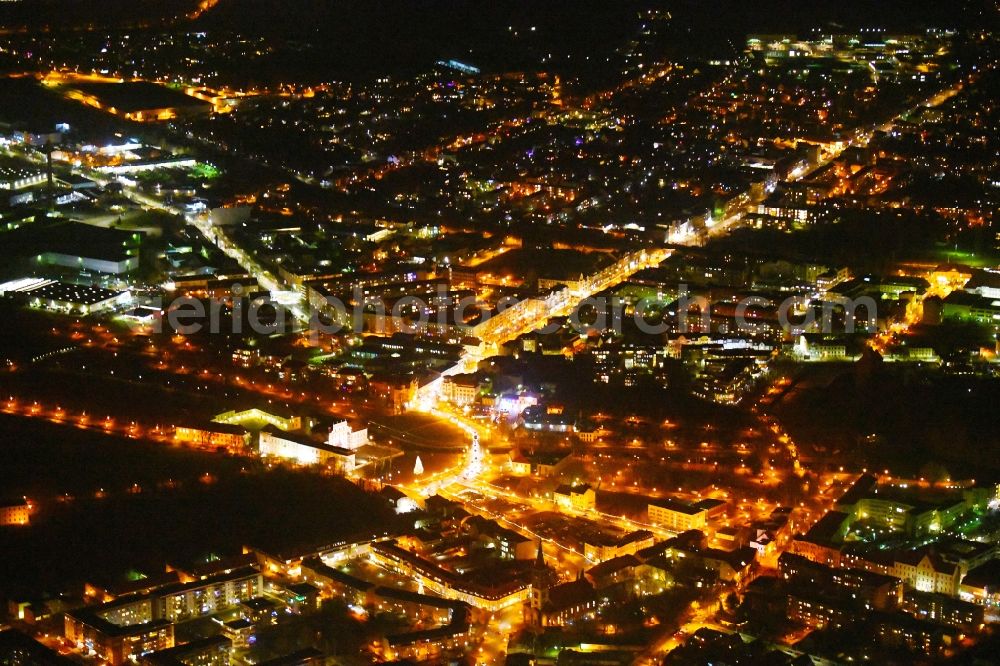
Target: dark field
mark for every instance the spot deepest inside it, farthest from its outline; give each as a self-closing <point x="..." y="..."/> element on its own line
<point x="138" y="95"/>
<point x="898" y="418"/>
<point x="25" y="103"/>
<point x="187" y="505"/>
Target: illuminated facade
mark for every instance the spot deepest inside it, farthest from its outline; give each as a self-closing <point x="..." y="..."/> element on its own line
<point x="343" y="436"/>
<point x="203" y="597"/>
<point x="256" y="418"/>
<point x="115" y="266"/>
<point x="461" y="390"/>
<point x="575" y="498"/>
<point x="211" y="651"/>
<point x="15" y="513"/>
<point x="676" y="516"/>
<point x="434" y="578"/>
<point x="127" y="628"/>
<point x="601" y="549"/>
<point x="13" y="178"/>
<point x="927" y="573"/>
<point x="117" y="644"/>
<point x="912" y="517"/>
<point x="212" y="436"/>
<point x="276" y="444"/>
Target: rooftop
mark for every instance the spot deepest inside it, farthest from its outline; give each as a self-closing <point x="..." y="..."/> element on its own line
<point x="674" y="505"/>
<point x="569" y="490"/>
<point x="68" y="293"/>
<point x="22" y="649"/>
<point x="613" y="565"/>
<point x="984" y="576"/>
<point x="568" y="595"/>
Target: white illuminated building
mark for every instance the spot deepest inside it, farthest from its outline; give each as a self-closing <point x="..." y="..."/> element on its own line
<point x="343" y="436"/>
<point x="301" y="450"/>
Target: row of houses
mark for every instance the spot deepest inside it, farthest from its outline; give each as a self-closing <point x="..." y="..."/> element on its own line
<point x="451" y="618"/>
<point x="649" y="570"/>
<point x="126" y="628"/>
<point x="949" y="566"/>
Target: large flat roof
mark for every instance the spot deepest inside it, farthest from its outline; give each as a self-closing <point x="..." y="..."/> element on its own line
<point x="65" y="292"/>
<point x="674" y="505"/>
<point x="16" y="169"/>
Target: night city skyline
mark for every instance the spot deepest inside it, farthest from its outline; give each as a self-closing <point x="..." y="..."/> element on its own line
<point x="459" y="332"/>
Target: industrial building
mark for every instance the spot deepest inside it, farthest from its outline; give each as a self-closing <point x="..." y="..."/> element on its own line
<point x="63" y="296"/>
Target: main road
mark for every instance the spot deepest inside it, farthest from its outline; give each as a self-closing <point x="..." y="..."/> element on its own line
<point x="533" y="313"/>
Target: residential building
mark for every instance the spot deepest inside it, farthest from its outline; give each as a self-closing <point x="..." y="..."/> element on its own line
<point x="600" y="547"/>
<point x="17" y="512"/>
<point x="575" y="498"/>
<point x="944" y="609"/>
<point x="211" y="651"/>
<point x="677" y="516"/>
<point x="542" y="465"/>
<point x="130" y="627"/>
<point x="213" y="436"/>
<point x="926" y="571"/>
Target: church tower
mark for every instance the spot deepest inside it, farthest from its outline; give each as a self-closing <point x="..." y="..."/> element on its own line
<point x="542" y="578"/>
